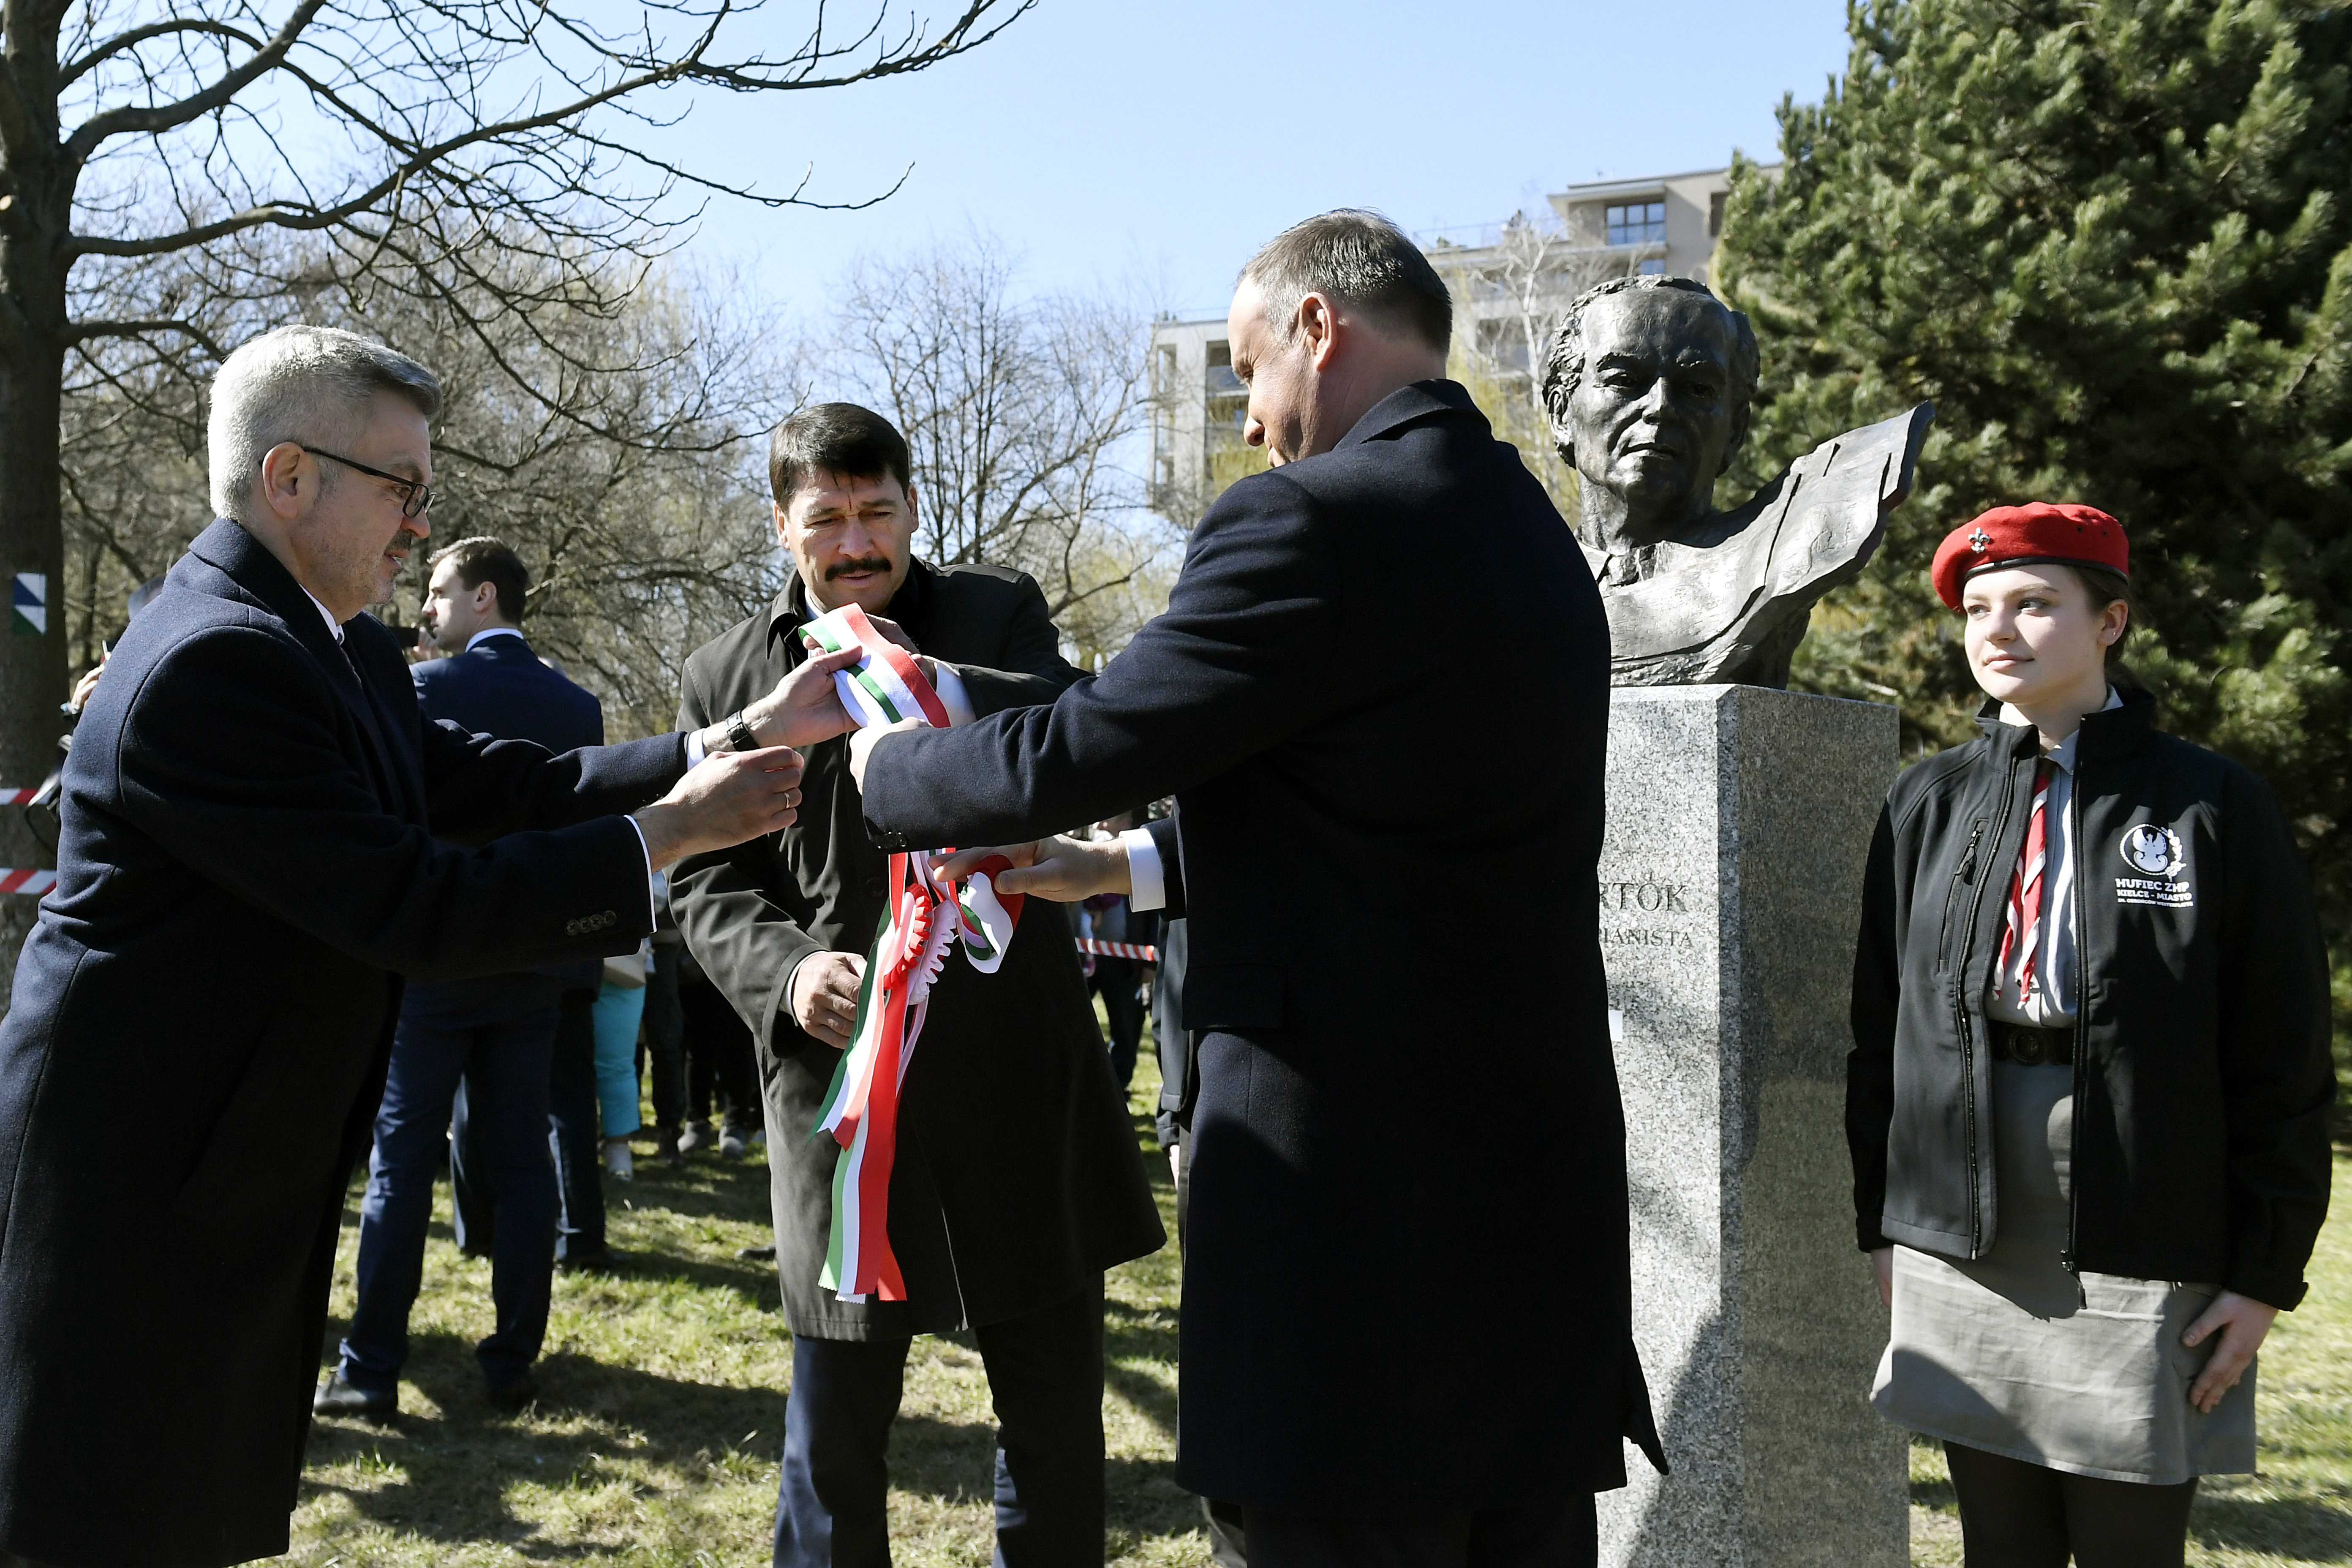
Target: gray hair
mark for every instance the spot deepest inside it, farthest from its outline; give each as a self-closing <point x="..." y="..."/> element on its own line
<point x="1359" y="258"/>
<point x="300" y="384"/>
<point x="1564" y="361"/>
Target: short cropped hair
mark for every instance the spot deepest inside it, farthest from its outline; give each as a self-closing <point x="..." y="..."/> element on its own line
<point x="1564" y="361"/>
<point x="835" y="438"/>
<point x="300" y="384"/>
<point x="483" y="559"/>
<point x="1358" y="258"/>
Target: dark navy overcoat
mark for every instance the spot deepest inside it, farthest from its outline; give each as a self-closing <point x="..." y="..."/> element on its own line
<point x="1379" y="695"/>
<point x="253" y="858"/>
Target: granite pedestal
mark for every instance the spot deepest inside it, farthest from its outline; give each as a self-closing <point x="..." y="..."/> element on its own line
<point x="1738" y="819"/>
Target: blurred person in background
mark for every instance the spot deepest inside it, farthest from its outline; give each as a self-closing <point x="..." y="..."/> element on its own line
<point x="1118" y="981"/>
<point x="619" y="1013"/>
<point x="2088" y="1094"/>
<point x="486" y="1043"/>
<point x="723" y="1105"/>
<point x="664" y="1032"/>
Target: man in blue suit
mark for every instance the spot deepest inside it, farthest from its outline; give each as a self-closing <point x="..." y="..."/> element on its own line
<point x="494" y="1033"/>
<point x="262" y="838"/>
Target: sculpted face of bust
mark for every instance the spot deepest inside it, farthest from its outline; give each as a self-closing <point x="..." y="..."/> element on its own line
<point x="1653" y="418"/>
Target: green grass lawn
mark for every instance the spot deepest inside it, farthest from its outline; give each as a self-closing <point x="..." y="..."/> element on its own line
<point x="661" y="1414"/>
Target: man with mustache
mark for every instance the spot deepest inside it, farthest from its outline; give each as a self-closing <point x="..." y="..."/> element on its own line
<point x="1017" y="1180"/>
<point x="259" y="844"/>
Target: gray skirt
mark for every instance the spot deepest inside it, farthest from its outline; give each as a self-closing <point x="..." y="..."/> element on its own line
<point x="2014" y="1355"/>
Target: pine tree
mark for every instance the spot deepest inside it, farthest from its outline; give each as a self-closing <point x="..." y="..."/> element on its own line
<point x="2110" y="240"/>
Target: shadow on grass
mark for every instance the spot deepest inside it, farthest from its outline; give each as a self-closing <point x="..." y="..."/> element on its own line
<point x="1135" y="1333"/>
<point x="2303" y="1529"/>
<point x="454" y="1469"/>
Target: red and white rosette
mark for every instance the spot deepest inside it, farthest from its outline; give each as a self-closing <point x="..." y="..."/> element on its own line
<point x="924" y="918"/>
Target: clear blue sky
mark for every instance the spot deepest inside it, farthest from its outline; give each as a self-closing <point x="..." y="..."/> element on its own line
<point x="1164" y="142"/>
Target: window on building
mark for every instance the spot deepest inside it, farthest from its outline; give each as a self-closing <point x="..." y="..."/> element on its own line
<point x="1637" y="223"/>
<point x="1715" y="213"/>
<point x="1221" y="353"/>
<point x="1655" y="267"/>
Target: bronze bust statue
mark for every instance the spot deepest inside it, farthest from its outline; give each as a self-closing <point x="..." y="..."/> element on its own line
<point x="1649" y="382"/>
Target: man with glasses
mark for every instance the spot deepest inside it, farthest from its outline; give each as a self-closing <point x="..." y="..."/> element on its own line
<point x="261" y="839"/>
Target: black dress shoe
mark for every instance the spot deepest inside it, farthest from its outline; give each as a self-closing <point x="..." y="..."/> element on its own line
<point x="338" y="1397"/>
<point x="516" y="1396"/>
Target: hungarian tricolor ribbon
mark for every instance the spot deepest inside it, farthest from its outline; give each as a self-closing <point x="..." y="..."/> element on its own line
<point x="925" y="916"/>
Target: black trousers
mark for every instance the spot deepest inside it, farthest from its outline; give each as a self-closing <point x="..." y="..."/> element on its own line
<point x="1558" y="1533"/>
<point x="1119" y="983"/>
<point x="573" y="1133"/>
<point x="718" y="1051"/>
<point x="664" y="1043"/>
<point x="1044" y="1378"/>
<point x="492" y="1035"/>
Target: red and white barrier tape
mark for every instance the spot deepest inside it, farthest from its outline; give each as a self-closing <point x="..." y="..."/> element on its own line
<point x="17" y="796"/>
<point x="33" y="883"/>
<point x="1118" y="949"/>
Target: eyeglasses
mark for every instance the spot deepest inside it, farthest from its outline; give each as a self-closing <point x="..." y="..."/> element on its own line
<point x="415" y="496"/>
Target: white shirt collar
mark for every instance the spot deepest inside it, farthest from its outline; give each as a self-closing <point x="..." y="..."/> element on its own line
<point x="487" y="633"/>
<point x="325" y="614"/>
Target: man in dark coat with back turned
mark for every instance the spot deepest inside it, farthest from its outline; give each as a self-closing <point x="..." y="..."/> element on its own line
<point x="1017" y="1180"/>
<point x="1380" y="687"/>
<point x="253" y="855"/>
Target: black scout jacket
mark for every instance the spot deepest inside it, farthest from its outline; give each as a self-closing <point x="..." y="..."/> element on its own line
<point x="2202" y="1074"/>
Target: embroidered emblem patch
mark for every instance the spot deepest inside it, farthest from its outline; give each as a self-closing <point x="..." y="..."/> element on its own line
<point x="2155" y="852"/>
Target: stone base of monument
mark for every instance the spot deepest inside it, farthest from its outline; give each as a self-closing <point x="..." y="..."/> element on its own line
<point x="1739" y="820"/>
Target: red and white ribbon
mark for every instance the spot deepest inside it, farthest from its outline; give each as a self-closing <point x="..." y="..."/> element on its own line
<point x="17" y="796"/>
<point x="885" y="686"/>
<point x="924" y="918"/>
<point x="1137" y="951"/>
<point x="29" y="883"/>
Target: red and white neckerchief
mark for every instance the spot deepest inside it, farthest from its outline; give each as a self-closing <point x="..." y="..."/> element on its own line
<point x="2021" y="932"/>
<point x="924" y="917"/>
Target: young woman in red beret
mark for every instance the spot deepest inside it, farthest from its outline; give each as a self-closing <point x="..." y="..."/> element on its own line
<point x="2088" y="1092"/>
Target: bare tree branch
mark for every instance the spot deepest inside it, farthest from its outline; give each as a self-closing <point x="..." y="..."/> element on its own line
<point x="82" y="331"/>
<point x="122" y="42"/>
<point x="119" y="122"/>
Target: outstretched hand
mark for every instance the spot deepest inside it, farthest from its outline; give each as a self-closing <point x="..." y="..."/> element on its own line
<point x="2242" y="1322"/>
<point x="1061" y="869"/>
<point x="728" y="798"/>
<point x="805" y="706"/>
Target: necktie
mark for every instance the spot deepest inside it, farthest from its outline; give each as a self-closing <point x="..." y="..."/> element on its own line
<point x="2022" y="934"/>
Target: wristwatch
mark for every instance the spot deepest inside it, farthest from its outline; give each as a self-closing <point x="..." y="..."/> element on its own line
<point x="739" y="734"/>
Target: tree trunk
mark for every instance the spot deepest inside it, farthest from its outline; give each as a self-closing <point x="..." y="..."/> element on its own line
<point x="35" y="220"/>
<point x="32" y="665"/>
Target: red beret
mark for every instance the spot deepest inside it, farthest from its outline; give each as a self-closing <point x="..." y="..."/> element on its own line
<point x="2020" y="535"/>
